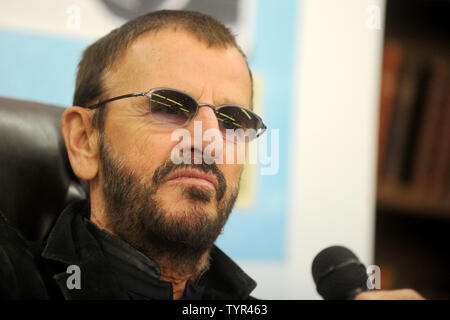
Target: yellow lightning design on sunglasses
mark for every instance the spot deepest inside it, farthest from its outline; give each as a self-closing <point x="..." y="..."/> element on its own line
<point x="165" y="98"/>
<point x="236" y="124"/>
<point x="164" y="104"/>
<point x="243" y="110"/>
<point x="185" y="110"/>
<point x="226" y="116"/>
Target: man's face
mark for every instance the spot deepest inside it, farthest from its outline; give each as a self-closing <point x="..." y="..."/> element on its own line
<point x="146" y="195"/>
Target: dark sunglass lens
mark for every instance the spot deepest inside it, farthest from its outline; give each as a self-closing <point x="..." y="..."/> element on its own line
<point x="238" y="122"/>
<point x="170" y="106"/>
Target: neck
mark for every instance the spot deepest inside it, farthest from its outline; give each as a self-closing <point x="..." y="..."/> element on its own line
<point x="178" y="277"/>
<point x="176" y="268"/>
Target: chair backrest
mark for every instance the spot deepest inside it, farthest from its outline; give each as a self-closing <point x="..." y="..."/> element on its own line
<point x="36" y="179"/>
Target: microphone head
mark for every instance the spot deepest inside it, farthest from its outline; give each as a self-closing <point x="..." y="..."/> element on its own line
<point x="338" y="274"/>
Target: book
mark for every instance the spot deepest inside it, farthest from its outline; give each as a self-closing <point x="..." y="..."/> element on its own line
<point x="429" y="158"/>
<point x="440" y="171"/>
<point x="392" y="61"/>
<point x="409" y="101"/>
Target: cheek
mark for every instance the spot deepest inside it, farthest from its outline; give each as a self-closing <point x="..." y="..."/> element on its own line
<point x="142" y="149"/>
<point x="151" y="150"/>
<point x="234" y="153"/>
<point x="232" y="173"/>
<point x="233" y="157"/>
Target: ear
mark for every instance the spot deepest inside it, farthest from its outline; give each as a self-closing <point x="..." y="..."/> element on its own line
<point x="81" y="142"/>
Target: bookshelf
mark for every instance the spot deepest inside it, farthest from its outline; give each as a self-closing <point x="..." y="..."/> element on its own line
<point x="413" y="174"/>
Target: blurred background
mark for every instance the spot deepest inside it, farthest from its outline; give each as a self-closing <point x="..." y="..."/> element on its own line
<point x="355" y="92"/>
<point x="413" y="190"/>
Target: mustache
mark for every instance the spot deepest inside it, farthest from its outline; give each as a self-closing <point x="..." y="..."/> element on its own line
<point x="168" y="167"/>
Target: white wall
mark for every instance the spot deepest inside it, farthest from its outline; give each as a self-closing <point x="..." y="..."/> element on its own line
<point x="333" y="166"/>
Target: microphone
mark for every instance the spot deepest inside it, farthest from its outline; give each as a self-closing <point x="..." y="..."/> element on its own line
<point x="338" y="274"/>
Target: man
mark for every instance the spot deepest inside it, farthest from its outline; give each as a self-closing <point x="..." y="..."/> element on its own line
<point x="149" y="227"/>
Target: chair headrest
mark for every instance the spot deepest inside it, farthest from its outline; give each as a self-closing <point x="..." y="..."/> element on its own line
<point x="36" y="179"/>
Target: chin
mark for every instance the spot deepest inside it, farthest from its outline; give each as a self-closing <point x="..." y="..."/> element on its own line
<point x="197" y="195"/>
<point x="190" y="207"/>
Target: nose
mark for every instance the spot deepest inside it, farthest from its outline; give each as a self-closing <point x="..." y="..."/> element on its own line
<point x="205" y="133"/>
<point x="207" y="115"/>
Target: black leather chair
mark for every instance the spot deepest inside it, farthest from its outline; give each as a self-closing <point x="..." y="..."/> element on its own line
<point x="36" y="180"/>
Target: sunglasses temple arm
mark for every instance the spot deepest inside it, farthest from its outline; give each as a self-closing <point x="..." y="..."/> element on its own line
<point x="116" y="98"/>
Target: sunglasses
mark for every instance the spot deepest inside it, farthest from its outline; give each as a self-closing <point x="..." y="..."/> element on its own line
<point x="177" y="108"/>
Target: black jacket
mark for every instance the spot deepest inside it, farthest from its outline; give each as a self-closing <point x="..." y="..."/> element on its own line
<point x="38" y="270"/>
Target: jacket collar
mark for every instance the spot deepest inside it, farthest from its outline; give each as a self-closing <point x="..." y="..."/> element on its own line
<point x="225" y="279"/>
<point x="71" y="243"/>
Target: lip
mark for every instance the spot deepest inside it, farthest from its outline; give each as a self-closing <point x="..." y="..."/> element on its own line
<point x="194" y="174"/>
